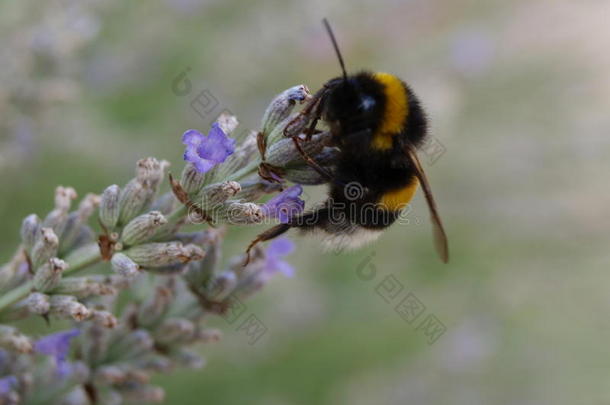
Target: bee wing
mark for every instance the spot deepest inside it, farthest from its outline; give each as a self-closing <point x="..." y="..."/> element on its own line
<point x="440" y="237"/>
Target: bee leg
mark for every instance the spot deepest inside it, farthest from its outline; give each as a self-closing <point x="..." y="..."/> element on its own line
<point x="269" y="234"/>
<point x="315" y="165"/>
<point x="270" y="173"/>
<point x="314" y="105"/>
<point x="317" y="113"/>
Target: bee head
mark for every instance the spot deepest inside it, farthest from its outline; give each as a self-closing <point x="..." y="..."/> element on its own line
<point x="352" y="105"/>
<point x="353" y="108"/>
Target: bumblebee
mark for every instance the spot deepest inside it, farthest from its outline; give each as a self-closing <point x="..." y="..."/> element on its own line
<point x="377" y="123"/>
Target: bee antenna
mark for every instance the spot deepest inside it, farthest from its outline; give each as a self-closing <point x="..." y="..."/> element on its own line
<point x="334" y="41"/>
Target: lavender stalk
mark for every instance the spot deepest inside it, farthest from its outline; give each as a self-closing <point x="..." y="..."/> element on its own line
<point x="172" y="280"/>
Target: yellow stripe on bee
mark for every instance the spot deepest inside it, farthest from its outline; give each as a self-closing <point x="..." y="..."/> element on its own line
<point x="397" y="200"/>
<point x="396" y="110"/>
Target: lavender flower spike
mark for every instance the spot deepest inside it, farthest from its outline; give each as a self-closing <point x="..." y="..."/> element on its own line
<point x="285" y="205"/>
<point x="205" y="152"/>
<point x="273" y="263"/>
<point x="57" y="345"/>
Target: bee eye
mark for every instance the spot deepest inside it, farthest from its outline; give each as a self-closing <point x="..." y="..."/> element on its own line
<point x="367" y="103"/>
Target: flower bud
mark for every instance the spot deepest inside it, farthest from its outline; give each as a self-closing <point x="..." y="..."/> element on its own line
<point x="293" y="125"/>
<point x="76" y="220"/>
<point x="113" y="280"/>
<point x="30" y="227"/>
<point x="110" y="375"/>
<point x="240" y="213"/>
<point x="12" y="339"/>
<point x="227" y="123"/>
<point x="58" y="218"/>
<point x="104" y="318"/>
<point x="284" y="153"/>
<point x="45" y="247"/>
<point x="175" y="330"/>
<point x="208" y="335"/>
<point x="157" y="364"/>
<point x="305" y="175"/>
<point x="142" y="228"/>
<point x="198" y="273"/>
<point x="165" y="204"/>
<point x="82" y="287"/>
<point x="252" y="285"/>
<point x="188" y="358"/>
<point x="243" y="154"/>
<point x="131" y="345"/>
<point x="139" y="193"/>
<point x="124" y="266"/>
<point x="133" y="200"/>
<point x="191" y="180"/>
<point x="216" y="194"/>
<point x="77" y="396"/>
<point x="64" y="197"/>
<point x="222" y="286"/>
<point x="48" y="275"/>
<point x="164" y="254"/>
<point x="38" y="303"/>
<point x="282" y="105"/>
<point x="109" y="206"/>
<point x="151" y="311"/>
<point x="150" y="172"/>
<point x="253" y="189"/>
<point x="66" y="306"/>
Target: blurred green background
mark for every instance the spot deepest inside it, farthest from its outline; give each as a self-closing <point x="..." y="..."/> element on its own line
<point x="518" y="95"/>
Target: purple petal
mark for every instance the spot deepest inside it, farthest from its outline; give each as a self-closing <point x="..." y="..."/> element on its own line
<point x="192" y="137"/>
<point x="205" y="152"/>
<point x="285" y="268"/>
<point x="277" y="249"/>
<point x="216" y="146"/>
<point x="202" y="165"/>
<point x="285" y="205"/>
<point x="7" y="383"/>
<point x="280" y="247"/>
<point x="56" y="344"/>
<point x="64" y="368"/>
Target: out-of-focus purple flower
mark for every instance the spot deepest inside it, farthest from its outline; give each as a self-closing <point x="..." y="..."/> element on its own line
<point x="285" y="205"/>
<point x="205" y="152"/>
<point x="277" y="249"/>
<point x="57" y="345"/>
<point x="7" y="383"/>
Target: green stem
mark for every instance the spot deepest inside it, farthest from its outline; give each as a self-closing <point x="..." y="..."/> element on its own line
<point x="90" y="256"/>
<point x="16" y="294"/>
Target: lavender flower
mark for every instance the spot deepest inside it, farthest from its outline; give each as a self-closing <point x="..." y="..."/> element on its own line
<point x="57" y="345"/>
<point x="205" y="152"/>
<point x="7" y="383"/>
<point x="277" y="249"/>
<point x="123" y="345"/>
<point x="285" y="205"/>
